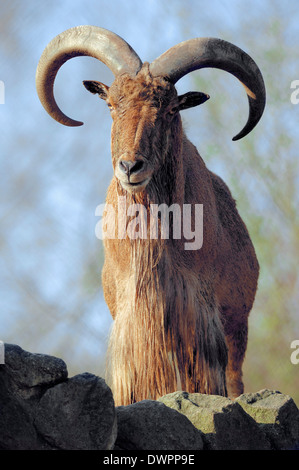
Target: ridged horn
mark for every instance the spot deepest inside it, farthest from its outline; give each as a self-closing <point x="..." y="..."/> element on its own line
<point x="200" y="53"/>
<point x="91" y="41"/>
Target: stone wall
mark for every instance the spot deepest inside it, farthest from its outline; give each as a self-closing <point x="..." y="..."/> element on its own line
<point x="42" y="409"/>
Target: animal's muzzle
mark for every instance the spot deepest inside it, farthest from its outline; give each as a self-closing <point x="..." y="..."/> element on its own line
<point x="130" y="167"/>
<point x="133" y="172"/>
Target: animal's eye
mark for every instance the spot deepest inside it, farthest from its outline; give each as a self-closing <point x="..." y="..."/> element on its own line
<point x="111" y="108"/>
<point x="172" y="111"/>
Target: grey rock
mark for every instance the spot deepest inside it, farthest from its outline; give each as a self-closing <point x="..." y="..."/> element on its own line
<point x="78" y="414"/>
<point x="23" y="379"/>
<point x="276" y="414"/>
<point x="17" y="431"/>
<point x="41" y="409"/>
<point x="223" y="422"/>
<point x="29" y="374"/>
<point x="150" y="425"/>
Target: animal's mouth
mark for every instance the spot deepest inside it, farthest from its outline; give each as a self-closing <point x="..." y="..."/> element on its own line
<point x="134" y="186"/>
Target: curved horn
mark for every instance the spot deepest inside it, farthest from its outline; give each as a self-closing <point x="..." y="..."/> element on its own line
<point x="199" y="53"/>
<point x="91" y="41"/>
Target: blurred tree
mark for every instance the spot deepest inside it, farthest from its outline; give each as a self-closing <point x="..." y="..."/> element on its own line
<point x="262" y="173"/>
<point x="49" y="192"/>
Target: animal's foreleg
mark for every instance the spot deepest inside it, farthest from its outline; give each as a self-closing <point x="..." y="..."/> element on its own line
<point x="237" y="342"/>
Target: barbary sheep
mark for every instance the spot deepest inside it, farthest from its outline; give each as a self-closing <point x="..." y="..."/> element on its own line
<point x="180" y="315"/>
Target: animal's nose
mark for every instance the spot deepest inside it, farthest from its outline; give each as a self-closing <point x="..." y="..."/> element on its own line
<point x="129" y="167"/>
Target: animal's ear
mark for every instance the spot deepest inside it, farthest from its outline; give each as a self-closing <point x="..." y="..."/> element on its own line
<point x="96" y="88"/>
<point x="191" y="99"/>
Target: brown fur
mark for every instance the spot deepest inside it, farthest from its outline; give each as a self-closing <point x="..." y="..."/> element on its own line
<point x="180" y="317"/>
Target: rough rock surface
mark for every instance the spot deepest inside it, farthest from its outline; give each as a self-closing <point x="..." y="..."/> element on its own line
<point x="78" y="414"/>
<point x="223" y="422"/>
<point x="150" y="425"/>
<point x="277" y="416"/>
<point x="42" y="409"/>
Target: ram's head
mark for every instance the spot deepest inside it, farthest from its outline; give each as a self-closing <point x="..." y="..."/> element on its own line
<point x="142" y="99"/>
